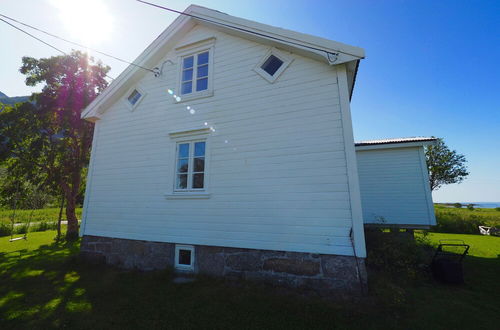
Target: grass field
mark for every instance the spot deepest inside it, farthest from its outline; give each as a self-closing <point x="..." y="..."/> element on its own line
<point x="44" y="285"/>
<point x="22" y="216"/>
<point x="458" y="220"/>
<point x="487" y="214"/>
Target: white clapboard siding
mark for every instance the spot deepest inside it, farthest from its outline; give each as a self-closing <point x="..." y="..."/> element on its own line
<point x="277" y="168"/>
<point x="395" y="187"/>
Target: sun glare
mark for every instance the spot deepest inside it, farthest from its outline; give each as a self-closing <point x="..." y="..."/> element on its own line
<point x="89" y="21"/>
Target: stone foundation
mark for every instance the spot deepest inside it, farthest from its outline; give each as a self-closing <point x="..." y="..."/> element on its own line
<point x="326" y="274"/>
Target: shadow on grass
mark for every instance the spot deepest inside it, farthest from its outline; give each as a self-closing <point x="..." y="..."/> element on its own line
<point x="51" y="288"/>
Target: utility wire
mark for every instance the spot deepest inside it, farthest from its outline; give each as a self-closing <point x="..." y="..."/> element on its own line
<point x="68" y="41"/>
<point x="17" y="28"/>
<point x="45" y="43"/>
<point x="328" y="53"/>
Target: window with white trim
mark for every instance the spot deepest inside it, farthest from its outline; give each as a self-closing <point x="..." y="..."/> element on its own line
<point x="190" y="166"/>
<point x="195" y="73"/>
<point x="134" y="97"/>
<point x="273" y="64"/>
<point x="184" y="257"/>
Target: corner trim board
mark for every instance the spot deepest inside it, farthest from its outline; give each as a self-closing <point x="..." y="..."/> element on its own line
<point x="352" y="168"/>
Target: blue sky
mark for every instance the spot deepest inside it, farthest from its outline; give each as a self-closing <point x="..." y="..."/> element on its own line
<point x="431" y="67"/>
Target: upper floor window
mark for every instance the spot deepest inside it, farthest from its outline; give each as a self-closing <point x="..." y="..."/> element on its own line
<point x="195" y="71"/>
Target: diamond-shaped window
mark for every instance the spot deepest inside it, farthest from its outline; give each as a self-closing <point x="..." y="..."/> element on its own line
<point x="272" y="64"/>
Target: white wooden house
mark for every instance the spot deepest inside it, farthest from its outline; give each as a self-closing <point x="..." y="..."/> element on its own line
<point x="234" y="156"/>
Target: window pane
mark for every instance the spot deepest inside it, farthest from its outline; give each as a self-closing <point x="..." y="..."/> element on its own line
<point x="188" y="62"/>
<point x="187" y="88"/>
<point x="272" y="64"/>
<point x="187" y="75"/>
<point x="182" y="180"/>
<point x="199" y="149"/>
<point x="183" y="150"/>
<point x="134" y="97"/>
<point x="199" y="164"/>
<point x="202" y="71"/>
<point x="184" y="257"/>
<point x="203" y="58"/>
<point x="198" y="180"/>
<point x="183" y="165"/>
<point x="202" y="84"/>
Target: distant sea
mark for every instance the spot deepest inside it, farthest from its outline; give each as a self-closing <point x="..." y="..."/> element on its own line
<point x="481" y="205"/>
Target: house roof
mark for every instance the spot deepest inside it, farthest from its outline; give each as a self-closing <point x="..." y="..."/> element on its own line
<point x="328" y="51"/>
<point x="417" y="141"/>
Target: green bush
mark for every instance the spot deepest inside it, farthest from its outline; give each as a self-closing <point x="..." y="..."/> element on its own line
<point x="451" y="221"/>
<point x="43" y="226"/>
<point x="5" y="229"/>
<point x="396" y="261"/>
<point x="47" y="214"/>
<point x="497" y="208"/>
<point x="21" y="229"/>
<point x="458" y="224"/>
<point x="395" y="253"/>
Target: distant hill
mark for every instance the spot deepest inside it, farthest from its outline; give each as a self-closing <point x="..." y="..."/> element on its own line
<point x="12" y="100"/>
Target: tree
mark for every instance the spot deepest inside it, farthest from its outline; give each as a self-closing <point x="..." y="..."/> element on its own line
<point x="57" y="142"/>
<point x="445" y="166"/>
<point x="19" y="150"/>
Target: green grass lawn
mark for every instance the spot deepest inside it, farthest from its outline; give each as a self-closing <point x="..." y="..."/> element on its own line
<point x="47" y="214"/>
<point x="45" y="285"/>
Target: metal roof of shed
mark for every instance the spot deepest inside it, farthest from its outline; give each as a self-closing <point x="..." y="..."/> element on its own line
<point x="395" y="140"/>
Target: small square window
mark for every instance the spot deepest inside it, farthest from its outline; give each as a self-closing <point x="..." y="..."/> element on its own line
<point x="272" y="64"/>
<point x="184" y="257"/>
<point x="134" y="97"/>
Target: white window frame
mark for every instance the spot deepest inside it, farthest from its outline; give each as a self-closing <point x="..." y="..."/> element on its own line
<point x="287" y="59"/>
<point x="193" y="49"/>
<point x="190" y="173"/>
<point x="183" y="267"/>
<point x="131" y="106"/>
<point x="189" y="136"/>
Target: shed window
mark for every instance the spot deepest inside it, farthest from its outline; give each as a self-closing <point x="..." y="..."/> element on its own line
<point x="190" y="166"/>
<point x="272" y="64"/>
<point x="195" y="71"/>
